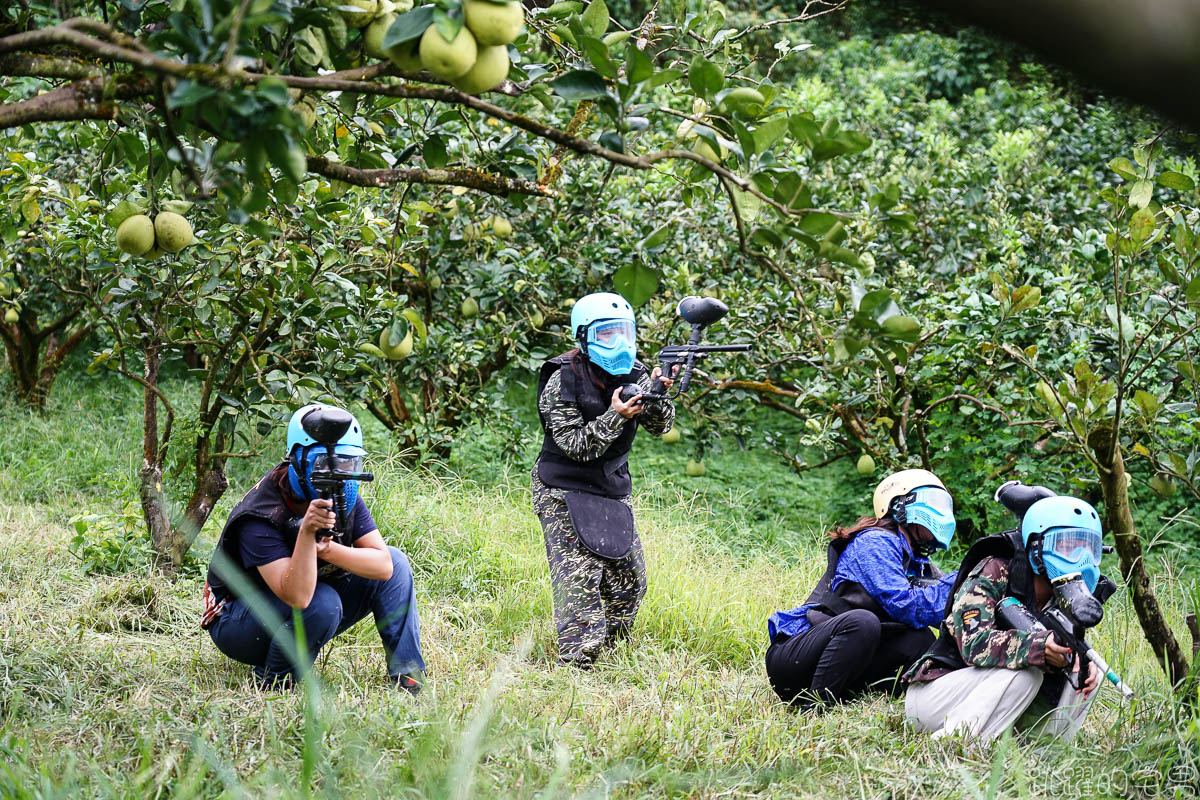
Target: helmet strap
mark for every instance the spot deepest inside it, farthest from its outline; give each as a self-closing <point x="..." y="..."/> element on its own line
<point x="581" y="336"/>
<point x="299" y="459"/>
<point x="1034" y="548"/>
<point x="897" y="508"/>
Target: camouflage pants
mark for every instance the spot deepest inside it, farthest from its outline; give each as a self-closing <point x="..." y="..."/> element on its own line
<point x="595" y="599"/>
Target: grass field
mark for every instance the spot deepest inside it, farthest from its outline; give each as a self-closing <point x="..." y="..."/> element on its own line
<point x="110" y="689"/>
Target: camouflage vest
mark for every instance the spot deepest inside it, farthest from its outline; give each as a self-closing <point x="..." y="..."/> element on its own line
<point x="607" y="475"/>
<point x="1008" y="546"/>
<point x="265" y="502"/>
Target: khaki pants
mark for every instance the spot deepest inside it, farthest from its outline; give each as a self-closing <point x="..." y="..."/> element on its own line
<point x="984" y="702"/>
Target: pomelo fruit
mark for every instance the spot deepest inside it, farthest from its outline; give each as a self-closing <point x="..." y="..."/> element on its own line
<point x="136" y="235"/>
<point x="469" y="308"/>
<point x="447" y="60"/>
<point x="374" y="33"/>
<point x="501" y="227"/>
<point x="172" y="232"/>
<point x="494" y="23"/>
<point x="695" y="468"/>
<point x="672" y="436"/>
<point x="865" y="465"/>
<point x="399" y="350"/>
<point x="406" y="56"/>
<point x="489" y="71"/>
<point x="358" y="13"/>
<point x="745" y="101"/>
<point x="11" y="315"/>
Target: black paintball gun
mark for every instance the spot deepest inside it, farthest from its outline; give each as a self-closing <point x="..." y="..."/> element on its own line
<point x="699" y="312"/>
<point x="1073" y="610"/>
<point x="327" y="426"/>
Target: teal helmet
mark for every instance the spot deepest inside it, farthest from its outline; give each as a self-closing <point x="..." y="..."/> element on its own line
<point x="304" y="453"/>
<point x="603" y="325"/>
<point x="1062" y="536"/>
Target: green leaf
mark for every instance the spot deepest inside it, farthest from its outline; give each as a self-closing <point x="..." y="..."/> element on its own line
<point x="1141" y="225"/>
<point x="637" y="283"/>
<point x="579" y="84"/>
<point x="818" y="223"/>
<point x="597" y="53"/>
<point x="187" y="94"/>
<point x="434" y="152"/>
<point x="1147" y="404"/>
<point x="1140" y="194"/>
<point x="1192" y="292"/>
<point x="663" y="77"/>
<point x="447" y="25"/>
<point x="562" y="9"/>
<point x="408" y="26"/>
<point x="901" y="328"/>
<point x="876" y="306"/>
<point x="595" y="18"/>
<point x="1176" y="180"/>
<point x="1125" y="168"/>
<point x="705" y="77"/>
<point x="804" y="129"/>
<point x="768" y="133"/>
<point x="415" y="320"/>
<point x="30" y="210"/>
<point x="1025" y="298"/>
<point x="656" y="238"/>
<point x="178" y="206"/>
<point x="121" y="212"/>
<point x="1126" y="327"/>
<point x="638" y="66"/>
<point x="289" y="158"/>
<point x="1189" y="370"/>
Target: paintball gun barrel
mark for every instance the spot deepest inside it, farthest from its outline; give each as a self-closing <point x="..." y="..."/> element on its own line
<point x="1015" y="616"/>
<point x="678" y="360"/>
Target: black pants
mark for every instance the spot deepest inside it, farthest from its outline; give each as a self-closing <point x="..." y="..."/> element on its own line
<point x="843" y="656"/>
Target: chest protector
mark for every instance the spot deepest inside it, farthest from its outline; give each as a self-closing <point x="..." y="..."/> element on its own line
<point x="607" y="475"/>
<point x="850" y="595"/>
<point x="264" y="502"/>
<point x="1007" y="546"/>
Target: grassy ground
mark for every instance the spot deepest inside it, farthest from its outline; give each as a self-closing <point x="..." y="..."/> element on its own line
<point x="109" y="688"/>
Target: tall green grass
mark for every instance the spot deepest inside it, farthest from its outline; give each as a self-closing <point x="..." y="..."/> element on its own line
<point x="109" y="689"/>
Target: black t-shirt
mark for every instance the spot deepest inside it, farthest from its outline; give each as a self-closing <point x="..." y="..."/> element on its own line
<point x="259" y="543"/>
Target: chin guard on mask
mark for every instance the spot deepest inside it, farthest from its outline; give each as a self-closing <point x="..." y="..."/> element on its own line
<point x="931" y="508"/>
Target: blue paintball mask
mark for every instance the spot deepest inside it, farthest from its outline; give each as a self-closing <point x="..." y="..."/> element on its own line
<point x="930" y="507"/>
<point x="611" y="345"/>
<point x="346" y="458"/>
<point x="1067" y="551"/>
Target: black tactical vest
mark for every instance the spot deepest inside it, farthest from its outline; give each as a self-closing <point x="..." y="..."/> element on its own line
<point x="607" y="475"/>
<point x="850" y="595"/>
<point x="265" y="502"/>
<point x="1007" y="546"/>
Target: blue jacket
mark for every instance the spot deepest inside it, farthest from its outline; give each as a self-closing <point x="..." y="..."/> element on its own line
<point x="875" y="560"/>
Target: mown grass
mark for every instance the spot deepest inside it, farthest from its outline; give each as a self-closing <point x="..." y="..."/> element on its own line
<point x="110" y="689"/>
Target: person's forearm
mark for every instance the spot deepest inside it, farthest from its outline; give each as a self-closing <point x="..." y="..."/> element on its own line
<point x="365" y="562"/>
<point x="300" y="580"/>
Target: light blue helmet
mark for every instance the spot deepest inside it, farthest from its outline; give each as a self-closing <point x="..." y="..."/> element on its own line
<point x="1063" y="536"/>
<point x="304" y="452"/>
<point x="603" y="325"/>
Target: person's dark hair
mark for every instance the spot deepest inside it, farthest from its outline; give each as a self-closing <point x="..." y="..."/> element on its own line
<point x="849" y="531"/>
<point x="581" y="366"/>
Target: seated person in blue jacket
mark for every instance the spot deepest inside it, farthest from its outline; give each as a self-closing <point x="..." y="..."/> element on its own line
<point x="867" y="620"/>
<point x="277" y="545"/>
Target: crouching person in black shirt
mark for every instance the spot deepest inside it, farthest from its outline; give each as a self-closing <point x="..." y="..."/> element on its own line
<point x="276" y="546"/>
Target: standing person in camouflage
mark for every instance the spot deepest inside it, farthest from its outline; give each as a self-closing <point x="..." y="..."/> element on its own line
<point x="582" y="491"/>
<point x="979" y="679"/>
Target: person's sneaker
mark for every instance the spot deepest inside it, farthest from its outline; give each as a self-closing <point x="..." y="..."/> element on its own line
<point x="410" y="682"/>
<point x="274" y="683"/>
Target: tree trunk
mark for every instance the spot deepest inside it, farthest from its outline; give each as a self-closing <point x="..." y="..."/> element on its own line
<point x="154" y="501"/>
<point x="210" y="485"/>
<point x="1118" y="518"/>
<point x="33" y="375"/>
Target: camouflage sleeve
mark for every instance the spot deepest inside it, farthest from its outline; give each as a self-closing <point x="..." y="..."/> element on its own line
<point x="658" y="415"/>
<point x="581" y="440"/>
<point x="973" y="623"/>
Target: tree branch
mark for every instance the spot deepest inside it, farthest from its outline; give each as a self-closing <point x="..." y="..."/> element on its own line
<point x="471" y="178"/>
<point x="94" y="98"/>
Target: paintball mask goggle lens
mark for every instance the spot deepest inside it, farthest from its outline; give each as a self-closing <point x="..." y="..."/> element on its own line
<point x="341" y="462"/>
<point x="612" y="345"/>
<point x="932" y="508"/>
<point x="1069" y="550"/>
